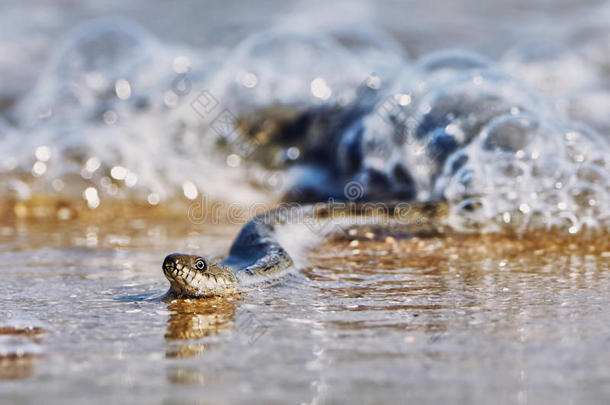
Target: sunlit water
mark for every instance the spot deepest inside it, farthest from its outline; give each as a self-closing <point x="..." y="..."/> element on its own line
<point x="370" y="318"/>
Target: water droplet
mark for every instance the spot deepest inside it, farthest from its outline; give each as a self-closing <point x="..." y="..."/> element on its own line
<point x="293" y="153"/>
<point x="153" y="199"/>
<point x="373" y="82"/>
<point x="131" y="179"/>
<point x="403" y="99"/>
<point x="249" y="80"/>
<point x="118" y="173"/>
<point x="39" y="169"/>
<point x="92" y="164"/>
<point x="320" y="89"/>
<point x="110" y="117"/>
<point x="122" y="89"/>
<point x="181" y="64"/>
<point x="90" y="194"/>
<point x="233" y="160"/>
<point x="190" y="190"/>
<point x="43" y="153"/>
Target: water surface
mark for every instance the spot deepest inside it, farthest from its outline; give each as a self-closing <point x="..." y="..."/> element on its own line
<point x="452" y="319"/>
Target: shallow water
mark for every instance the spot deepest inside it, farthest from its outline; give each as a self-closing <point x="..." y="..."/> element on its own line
<point x="453" y="319"/>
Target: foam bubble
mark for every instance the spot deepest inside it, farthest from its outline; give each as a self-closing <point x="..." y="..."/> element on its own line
<point x="115" y="112"/>
<point x="287" y="67"/>
<point x="491" y="146"/>
<point x="103" y="99"/>
<point x="421" y="134"/>
<point x="527" y="173"/>
<point x="375" y="50"/>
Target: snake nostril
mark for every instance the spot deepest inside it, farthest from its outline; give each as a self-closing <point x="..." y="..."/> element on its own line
<point x="170" y="260"/>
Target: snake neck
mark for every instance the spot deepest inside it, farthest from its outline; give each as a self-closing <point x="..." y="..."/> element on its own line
<point x="257" y="255"/>
<point x="257" y="252"/>
<point x="415" y="217"/>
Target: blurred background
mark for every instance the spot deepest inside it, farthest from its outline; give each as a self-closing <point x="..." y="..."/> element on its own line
<point x="99" y="100"/>
<point x="59" y="61"/>
<point x="31" y="29"/>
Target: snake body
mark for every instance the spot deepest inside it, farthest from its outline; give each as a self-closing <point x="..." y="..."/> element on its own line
<point x="257" y="256"/>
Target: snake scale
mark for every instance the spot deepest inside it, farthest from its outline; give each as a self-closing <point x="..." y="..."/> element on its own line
<point x="257" y="255"/>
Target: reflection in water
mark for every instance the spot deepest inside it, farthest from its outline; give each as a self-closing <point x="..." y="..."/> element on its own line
<point x="189" y="322"/>
<point x="425" y="279"/>
<point x="17" y="366"/>
<point x="192" y="319"/>
<point x="511" y="309"/>
<point x="20" y="345"/>
<point x="373" y="319"/>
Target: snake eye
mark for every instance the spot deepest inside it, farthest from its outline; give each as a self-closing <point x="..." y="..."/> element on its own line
<point x="200" y="264"/>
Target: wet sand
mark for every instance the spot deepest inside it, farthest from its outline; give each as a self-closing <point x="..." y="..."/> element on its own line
<point x="454" y="319"/>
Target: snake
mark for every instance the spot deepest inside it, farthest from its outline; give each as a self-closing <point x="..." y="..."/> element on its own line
<point x="257" y="257"/>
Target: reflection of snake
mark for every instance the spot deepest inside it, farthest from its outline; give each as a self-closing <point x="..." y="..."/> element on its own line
<point x="257" y="256"/>
<point x="190" y="320"/>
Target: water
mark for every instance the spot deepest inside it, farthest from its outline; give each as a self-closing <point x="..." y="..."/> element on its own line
<point x="112" y="156"/>
<point x="366" y="320"/>
<point x="441" y="126"/>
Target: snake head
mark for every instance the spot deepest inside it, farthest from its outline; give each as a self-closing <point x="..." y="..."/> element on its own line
<point x="194" y="276"/>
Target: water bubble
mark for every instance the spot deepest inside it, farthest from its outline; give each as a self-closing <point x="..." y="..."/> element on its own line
<point x="287" y="67"/>
<point x="452" y="60"/>
<point x="122" y="89"/>
<point x="98" y="62"/>
<point x="582" y="141"/>
<point x="92" y="164"/>
<point x="91" y="195"/>
<point x="131" y="179"/>
<point x="423" y="127"/>
<point x="529" y="173"/>
<point x="190" y="190"/>
<point x="118" y="172"/>
<point x="39" y="169"/>
<point x="592" y="174"/>
<point x="435" y="70"/>
<point x="548" y="65"/>
<point x="43" y="153"/>
<point x="181" y="64"/>
<point x="320" y="89"/>
<point x="468" y="214"/>
<point x="375" y="50"/>
<point x="233" y="160"/>
<point x="509" y="133"/>
<point x="249" y="80"/>
<point x="293" y="153"/>
<point x="467" y="106"/>
<point x="107" y="98"/>
<point x="153" y="199"/>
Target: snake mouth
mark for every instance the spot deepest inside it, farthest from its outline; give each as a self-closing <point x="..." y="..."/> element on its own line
<point x="189" y="277"/>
